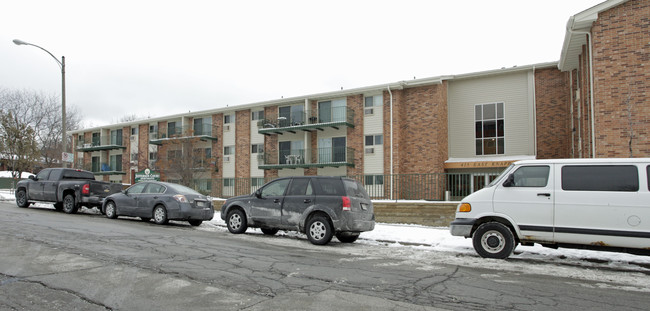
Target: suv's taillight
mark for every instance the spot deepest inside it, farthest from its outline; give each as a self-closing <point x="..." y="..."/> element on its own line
<point x="85" y="189"/>
<point x="346" y="204"/>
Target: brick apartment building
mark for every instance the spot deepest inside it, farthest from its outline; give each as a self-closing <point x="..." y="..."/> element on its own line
<point x="466" y="127"/>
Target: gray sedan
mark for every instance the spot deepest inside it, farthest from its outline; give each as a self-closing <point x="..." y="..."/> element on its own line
<point x="161" y="201"/>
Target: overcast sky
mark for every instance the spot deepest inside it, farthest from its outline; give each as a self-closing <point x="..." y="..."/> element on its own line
<point x="157" y="58"/>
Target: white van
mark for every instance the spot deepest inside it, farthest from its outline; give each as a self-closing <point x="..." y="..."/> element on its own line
<point x="578" y="203"/>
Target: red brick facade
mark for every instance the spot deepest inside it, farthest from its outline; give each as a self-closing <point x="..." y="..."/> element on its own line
<point x="552" y="113"/>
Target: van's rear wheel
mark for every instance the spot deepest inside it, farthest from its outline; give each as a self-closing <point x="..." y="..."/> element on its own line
<point x="493" y="240"/>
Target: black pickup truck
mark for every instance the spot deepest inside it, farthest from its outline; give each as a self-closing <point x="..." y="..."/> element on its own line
<point x="67" y="188"/>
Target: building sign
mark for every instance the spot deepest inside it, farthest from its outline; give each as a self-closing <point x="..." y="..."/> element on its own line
<point x="481" y="164"/>
<point x="147" y="175"/>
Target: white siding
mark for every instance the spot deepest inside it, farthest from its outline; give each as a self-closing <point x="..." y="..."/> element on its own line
<point x="229" y="140"/>
<point x="256" y="138"/>
<point x="514" y="90"/>
<point x="373" y="163"/>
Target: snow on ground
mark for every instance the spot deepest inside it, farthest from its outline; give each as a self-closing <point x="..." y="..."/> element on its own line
<point x="7" y="174"/>
<point x="424" y="247"/>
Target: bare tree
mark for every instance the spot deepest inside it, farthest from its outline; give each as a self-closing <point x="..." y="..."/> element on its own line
<point x="18" y="144"/>
<point x="43" y="115"/>
<point x="184" y="158"/>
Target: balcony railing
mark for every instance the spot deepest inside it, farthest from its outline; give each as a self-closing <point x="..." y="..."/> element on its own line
<point x="304" y="158"/>
<point x="105" y="169"/>
<point x="310" y="120"/>
<point x="103" y="143"/>
<point x="203" y="132"/>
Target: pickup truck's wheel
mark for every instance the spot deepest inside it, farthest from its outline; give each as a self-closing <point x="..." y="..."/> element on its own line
<point x="21" y="198"/>
<point x="236" y="221"/>
<point x="69" y="204"/>
<point x="269" y="231"/>
<point x="346" y="237"/>
<point x="110" y="210"/>
<point x="319" y="230"/>
<point x="160" y="215"/>
<point x="493" y="240"/>
<point x="195" y="222"/>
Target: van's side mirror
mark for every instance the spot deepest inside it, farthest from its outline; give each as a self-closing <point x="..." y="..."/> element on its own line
<point x="510" y="181"/>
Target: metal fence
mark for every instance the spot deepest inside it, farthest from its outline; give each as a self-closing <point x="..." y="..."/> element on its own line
<point x="432" y="187"/>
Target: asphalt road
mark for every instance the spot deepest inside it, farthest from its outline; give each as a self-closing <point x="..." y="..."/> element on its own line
<point x="53" y="261"/>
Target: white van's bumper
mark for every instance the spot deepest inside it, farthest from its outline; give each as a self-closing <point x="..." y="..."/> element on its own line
<point x="462" y="227"/>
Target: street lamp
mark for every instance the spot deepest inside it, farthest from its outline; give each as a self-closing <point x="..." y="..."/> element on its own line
<point x="62" y="65"/>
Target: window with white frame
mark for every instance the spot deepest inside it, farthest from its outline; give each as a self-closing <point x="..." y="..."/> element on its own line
<point x="373" y="140"/>
<point x="370" y="102"/>
<point x="374" y="180"/>
<point x="489" y="124"/>
<point x="257" y="115"/>
<point x="228" y="182"/>
<point x="227" y="119"/>
<point x="228" y="150"/>
<point x="257" y="148"/>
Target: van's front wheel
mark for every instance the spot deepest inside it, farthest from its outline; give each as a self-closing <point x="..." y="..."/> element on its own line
<point x="493" y="240"/>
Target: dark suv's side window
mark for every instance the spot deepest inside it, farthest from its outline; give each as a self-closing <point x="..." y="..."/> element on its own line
<point x="355" y="189"/>
<point x="600" y="178"/>
<point x="275" y="188"/>
<point x="330" y="186"/>
<point x="300" y="186"/>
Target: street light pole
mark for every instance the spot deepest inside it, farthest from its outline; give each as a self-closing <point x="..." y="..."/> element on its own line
<point x="63" y="123"/>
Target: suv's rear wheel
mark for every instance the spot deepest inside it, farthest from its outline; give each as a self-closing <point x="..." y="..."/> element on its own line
<point x="319" y="230"/>
<point x="236" y="221"/>
<point x="493" y="240"/>
<point x="69" y="204"/>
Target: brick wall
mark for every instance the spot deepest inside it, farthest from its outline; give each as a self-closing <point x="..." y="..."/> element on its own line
<point x="552" y="114"/>
<point x="143" y="146"/>
<point x="622" y="81"/>
<point x="355" y="138"/>
<point x="243" y="150"/>
<point x="271" y="142"/>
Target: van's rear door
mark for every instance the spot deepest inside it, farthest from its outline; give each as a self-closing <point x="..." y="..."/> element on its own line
<point x="528" y="201"/>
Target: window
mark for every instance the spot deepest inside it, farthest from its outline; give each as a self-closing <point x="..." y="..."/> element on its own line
<point x="291" y="115"/>
<point x="371" y="180"/>
<point x="116" y="137"/>
<point x="257" y="115"/>
<point x="355" y="189"/>
<point x="153" y="128"/>
<point x="228" y="150"/>
<point x="300" y="186"/>
<point x="153" y="156"/>
<point x="227" y="119"/>
<point x="257" y="181"/>
<point x="116" y="162"/>
<point x="228" y="182"/>
<point x="372" y="101"/>
<point x="171" y="129"/>
<point x="531" y="176"/>
<point x="134" y="157"/>
<point x="600" y="178"/>
<point x="330" y="186"/>
<point x="257" y="148"/>
<point x="96" y="139"/>
<point x="137" y="188"/>
<point x="489" y="127"/>
<point x="648" y="174"/>
<point x="155" y="188"/>
<point x="134" y="131"/>
<point x="275" y="188"/>
<point x="372" y="140"/>
<point x="94" y="164"/>
<point x="202" y="126"/>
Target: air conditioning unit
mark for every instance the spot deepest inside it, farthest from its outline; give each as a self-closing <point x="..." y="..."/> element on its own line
<point x="133" y="137"/>
<point x="226" y="128"/>
<point x="370" y="150"/>
<point x="369" y="111"/>
<point x="226" y="159"/>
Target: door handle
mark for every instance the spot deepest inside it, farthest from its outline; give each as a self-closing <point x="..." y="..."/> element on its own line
<point x="307" y="201"/>
<point x="276" y="201"/>
<point x="543" y="194"/>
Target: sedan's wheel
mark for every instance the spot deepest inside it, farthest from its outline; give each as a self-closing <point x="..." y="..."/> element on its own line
<point x="319" y="230"/>
<point x="195" y="222"/>
<point x="269" y="231"/>
<point x="110" y="210"/>
<point x="493" y="240"/>
<point x="236" y="221"/>
<point x="347" y="237"/>
<point x="160" y="215"/>
<point x="21" y="198"/>
<point x="69" y="205"/>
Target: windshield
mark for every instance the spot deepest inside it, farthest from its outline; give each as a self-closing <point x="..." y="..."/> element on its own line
<point x="498" y="179"/>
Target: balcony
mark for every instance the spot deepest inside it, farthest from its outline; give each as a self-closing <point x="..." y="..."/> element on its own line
<point x="308" y="121"/>
<point x="104" y="143"/>
<point x="203" y="132"/>
<point x="301" y="158"/>
<point x="106" y="169"/>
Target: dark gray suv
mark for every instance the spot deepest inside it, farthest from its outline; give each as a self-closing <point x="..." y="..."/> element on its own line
<point x="315" y="205"/>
